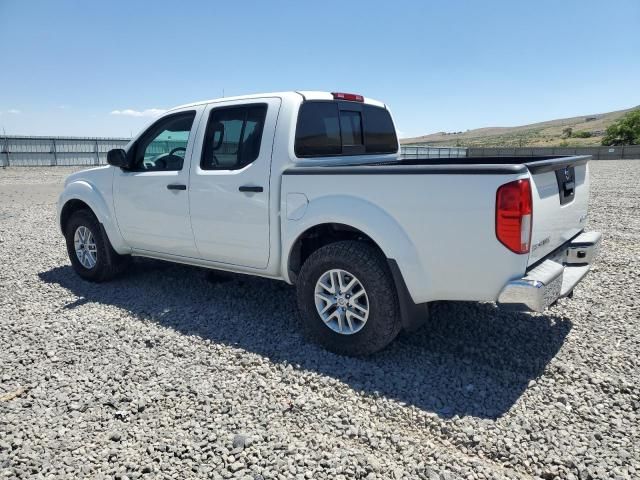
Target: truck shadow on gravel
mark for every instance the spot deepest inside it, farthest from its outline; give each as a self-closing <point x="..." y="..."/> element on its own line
<point x="469" y="359"/>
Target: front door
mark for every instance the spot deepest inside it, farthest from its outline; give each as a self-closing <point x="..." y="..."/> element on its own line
<point x="229" y="187"/>
<point x="152" y="199"/>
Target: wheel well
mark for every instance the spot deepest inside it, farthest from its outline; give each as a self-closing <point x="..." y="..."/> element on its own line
<point x="69" y="209"/>
<point x="319" y="236"/>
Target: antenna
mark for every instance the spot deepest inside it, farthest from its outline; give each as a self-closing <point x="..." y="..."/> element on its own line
<point x="222" y="92"/>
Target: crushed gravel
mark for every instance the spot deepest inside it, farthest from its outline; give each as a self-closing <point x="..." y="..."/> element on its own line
<point x="171" y="372"/>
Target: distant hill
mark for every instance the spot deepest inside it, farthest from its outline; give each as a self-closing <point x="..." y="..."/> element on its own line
<point x="543" y="134"/>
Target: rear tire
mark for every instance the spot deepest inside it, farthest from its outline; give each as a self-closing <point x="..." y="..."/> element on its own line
<point x="347" y="299"/>
<point x="89" y="249"/>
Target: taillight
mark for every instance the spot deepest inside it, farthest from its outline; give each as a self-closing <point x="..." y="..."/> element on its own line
<point x="350" y="97"/>
<point x="514" y="209"/>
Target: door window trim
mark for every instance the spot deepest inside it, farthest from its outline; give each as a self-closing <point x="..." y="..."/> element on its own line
<point x="134" y="149"/>
<point x="209" y="127"/>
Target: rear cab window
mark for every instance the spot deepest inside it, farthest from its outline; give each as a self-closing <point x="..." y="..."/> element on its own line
<point x="334" y="128"/>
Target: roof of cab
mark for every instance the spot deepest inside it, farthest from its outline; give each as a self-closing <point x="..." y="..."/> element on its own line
<point x="304" y="94"/>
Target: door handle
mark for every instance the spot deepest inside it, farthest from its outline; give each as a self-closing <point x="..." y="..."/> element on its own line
<point x="249" y="188"/>
<point x="176" y="186"/>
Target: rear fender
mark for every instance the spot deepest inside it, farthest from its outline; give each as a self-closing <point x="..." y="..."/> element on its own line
<point x="366" y="217"/>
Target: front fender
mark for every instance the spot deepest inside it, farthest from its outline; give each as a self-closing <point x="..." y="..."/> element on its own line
<point x="88" y="193"/>
<point x="362" y="215"/>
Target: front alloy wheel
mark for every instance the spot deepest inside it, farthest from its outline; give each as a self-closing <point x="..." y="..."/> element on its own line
<point x="89" y="249"/>
<point x="85" y="246"/>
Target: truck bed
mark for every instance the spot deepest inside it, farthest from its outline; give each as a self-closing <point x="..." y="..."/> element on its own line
<point x="466" y="188"/>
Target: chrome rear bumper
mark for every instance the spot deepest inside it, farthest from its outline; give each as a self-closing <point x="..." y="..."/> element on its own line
<point x="554" y="278"/>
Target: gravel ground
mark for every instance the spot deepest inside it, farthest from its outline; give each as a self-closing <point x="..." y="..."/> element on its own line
<point x="170" y="372"/>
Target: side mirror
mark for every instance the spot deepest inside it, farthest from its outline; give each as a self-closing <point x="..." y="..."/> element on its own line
<point x="118" y="158"/>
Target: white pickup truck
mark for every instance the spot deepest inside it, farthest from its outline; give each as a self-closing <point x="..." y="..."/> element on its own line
<point x="310" y="188"/>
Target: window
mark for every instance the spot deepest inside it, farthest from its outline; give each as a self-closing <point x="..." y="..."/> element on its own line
<point x="380" y="134"/>
<point x="343" y="128"/>
<point x="163" y="146"/>
<point x="318" y="130"/>
<point x="233" y="137"/>
<point x="351" y="128"/>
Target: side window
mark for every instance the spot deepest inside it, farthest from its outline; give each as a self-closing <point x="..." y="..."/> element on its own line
<point x="233" y="136"/>
<point x="163" y="146"/>
<point x="332" y="128"/>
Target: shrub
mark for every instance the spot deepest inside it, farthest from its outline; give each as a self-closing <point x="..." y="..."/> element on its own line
<point x="625" y="131"/>
<point x="581" y="134"/>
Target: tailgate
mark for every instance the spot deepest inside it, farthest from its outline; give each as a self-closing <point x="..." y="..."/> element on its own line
<point x="560" y="198"/>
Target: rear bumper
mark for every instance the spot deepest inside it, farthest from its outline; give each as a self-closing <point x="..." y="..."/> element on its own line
<point x="554" y="278"/>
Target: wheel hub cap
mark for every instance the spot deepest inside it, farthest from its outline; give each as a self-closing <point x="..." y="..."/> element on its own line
<point x="341" y="301"/>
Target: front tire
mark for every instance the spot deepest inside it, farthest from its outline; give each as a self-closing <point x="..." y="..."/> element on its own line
<point x="347" y="299"/>
<point x="90" y="252"/>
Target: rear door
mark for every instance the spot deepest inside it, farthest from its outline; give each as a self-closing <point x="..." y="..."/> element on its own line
<point x="560" y="199"/>
<point x="229" y="184"/>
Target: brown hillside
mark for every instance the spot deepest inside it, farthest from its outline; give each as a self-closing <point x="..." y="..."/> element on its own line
<point x="542" y="134"/>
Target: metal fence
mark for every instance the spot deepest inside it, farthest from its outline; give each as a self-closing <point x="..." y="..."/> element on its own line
<point x="598" y="153"/>
<point x="52" y="151"/>
<point x="72" y="151"/>
<point x="410" y="151"/>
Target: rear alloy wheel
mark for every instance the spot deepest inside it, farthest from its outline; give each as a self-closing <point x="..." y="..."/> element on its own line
<point x="342" y="302"/>
<point x="347" y="298"/>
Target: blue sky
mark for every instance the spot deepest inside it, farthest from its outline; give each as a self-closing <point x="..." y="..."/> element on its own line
<point x="67" y="67"/>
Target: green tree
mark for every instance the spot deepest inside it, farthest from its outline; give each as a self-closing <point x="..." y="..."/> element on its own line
<point x="567" y="132"/>
<point x="625" y="131"/>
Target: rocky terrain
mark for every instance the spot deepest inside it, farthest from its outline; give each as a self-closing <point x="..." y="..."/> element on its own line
<point x="172" y="372"/>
